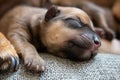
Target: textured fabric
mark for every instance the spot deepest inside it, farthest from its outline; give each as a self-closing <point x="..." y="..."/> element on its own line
<point x="102" y="67"/>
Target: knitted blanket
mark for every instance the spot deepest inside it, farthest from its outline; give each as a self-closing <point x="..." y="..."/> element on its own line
<point x="102" y="67"/>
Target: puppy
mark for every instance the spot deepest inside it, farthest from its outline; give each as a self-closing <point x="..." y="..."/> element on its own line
<point x="103" y="14"/>
<point x="62" y="31"/>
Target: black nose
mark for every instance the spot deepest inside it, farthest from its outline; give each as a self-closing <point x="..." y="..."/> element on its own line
<point x="97" y="41"/>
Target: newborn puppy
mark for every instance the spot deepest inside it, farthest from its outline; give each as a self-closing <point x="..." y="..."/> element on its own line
<point x="63" y="31"/>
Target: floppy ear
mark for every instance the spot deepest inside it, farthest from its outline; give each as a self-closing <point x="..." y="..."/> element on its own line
<point x="51" y="13"/>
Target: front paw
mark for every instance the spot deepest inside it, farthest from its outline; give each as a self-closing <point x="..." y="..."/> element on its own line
<point x="34" y="63"/>
<point x="8" y="55"/>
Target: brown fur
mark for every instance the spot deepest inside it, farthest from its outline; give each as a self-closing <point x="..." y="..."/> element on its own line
<point x="112" y="4"/>
<point x="26" y="26"/>
<point x="30" y="28"/>
<point x="101" y="12"/>
<point x="101" y="16"/>
<point x="6" y="5"/>
<point x="7" y="52"/>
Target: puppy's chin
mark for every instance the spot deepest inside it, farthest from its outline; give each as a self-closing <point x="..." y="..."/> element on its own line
<point x="77" y="51"/>
<point x="87" y="55"/>
<point x="79" y="54"/>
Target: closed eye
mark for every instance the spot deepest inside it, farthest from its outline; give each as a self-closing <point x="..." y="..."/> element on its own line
<point x="73" y="23"/>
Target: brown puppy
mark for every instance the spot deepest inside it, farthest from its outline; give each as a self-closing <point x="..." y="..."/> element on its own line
<point x="64" y="31"/>
<point x="101" y="12"/>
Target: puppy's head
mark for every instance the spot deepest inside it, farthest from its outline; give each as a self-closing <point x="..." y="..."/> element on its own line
<point x="68" y="32"/>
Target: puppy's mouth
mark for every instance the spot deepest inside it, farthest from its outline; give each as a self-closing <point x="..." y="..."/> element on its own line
<point x="81" y="48"/>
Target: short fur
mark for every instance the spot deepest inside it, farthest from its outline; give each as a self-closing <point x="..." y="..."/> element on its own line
<point x="104" y="14"/>
<point x="62" y="31"/>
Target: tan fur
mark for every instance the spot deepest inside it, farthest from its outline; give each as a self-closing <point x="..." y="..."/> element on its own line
<point x="106" y="20"/>
<point x="5" y="45"/>
<point x="16" y="24"/>
<point x="103" y="13"/>
<point x="59" y="27"/>
<point x="57" y="33"/>
<point x="6" y="50"/>
<point x="54" y="34"/>
<point x="81" y="14"/>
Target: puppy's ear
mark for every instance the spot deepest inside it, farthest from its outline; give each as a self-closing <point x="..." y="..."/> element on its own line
<point x="51" y="13"/>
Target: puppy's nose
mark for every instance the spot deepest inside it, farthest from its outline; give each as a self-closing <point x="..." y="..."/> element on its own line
<point x="97" y="41"/>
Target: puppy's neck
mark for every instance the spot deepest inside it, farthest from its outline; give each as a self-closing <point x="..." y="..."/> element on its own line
<point x="35" y="29"/>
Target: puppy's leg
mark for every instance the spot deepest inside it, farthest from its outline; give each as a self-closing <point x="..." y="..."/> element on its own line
<point x="116" y="13"/>
<point x="113" y="24"/>
<point x="19" y="36"/>
<point x="116" y="10"/>
<point x="8" y="55"/>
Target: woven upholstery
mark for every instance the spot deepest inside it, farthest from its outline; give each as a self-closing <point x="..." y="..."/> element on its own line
<point x="102" y="67"/>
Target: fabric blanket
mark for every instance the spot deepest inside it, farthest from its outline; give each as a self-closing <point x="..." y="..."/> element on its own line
<point x="102" y="67"/>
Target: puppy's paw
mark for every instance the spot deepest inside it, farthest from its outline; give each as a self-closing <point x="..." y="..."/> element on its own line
<point x="34" y="63"/>
<point x="8" y="55"/>
<point x="109" y="34"/>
